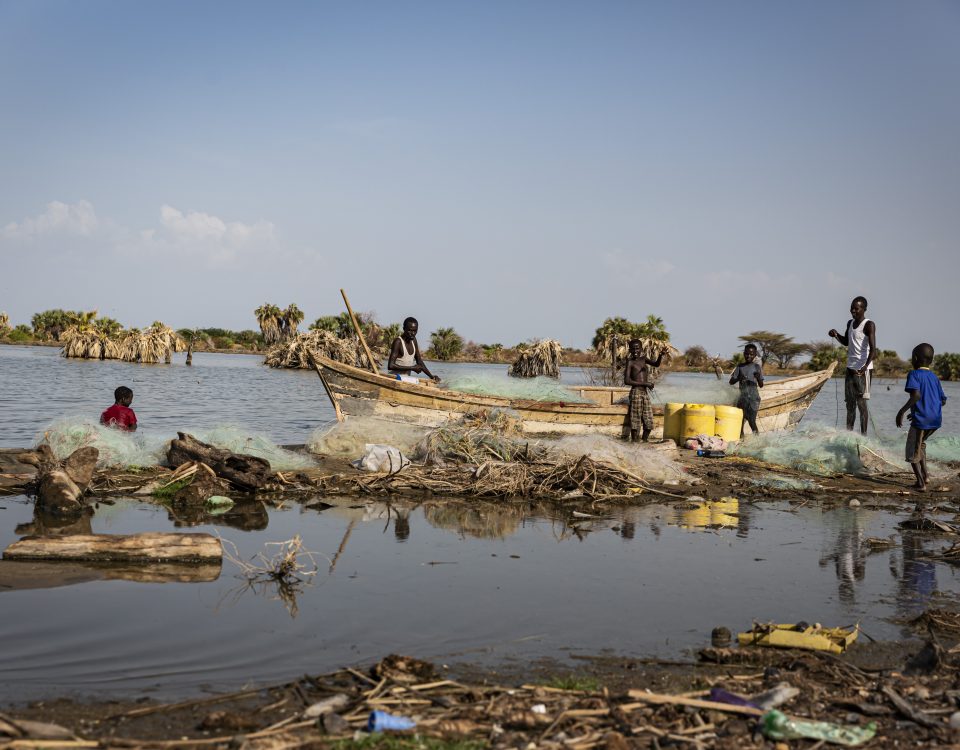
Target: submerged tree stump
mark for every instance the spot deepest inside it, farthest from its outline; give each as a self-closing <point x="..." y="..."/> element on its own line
<point x="246" y="473"/>
<point x="61" y="484"/>
<point x="142" y="548"/>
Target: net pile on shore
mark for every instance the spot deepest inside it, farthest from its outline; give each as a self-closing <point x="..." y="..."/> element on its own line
<point x="641" y="460"/>
<point x="119" y="449"/>
<point x="479" y="437"/>
<point x="295" y="352"/>
<point x="823" y="452"/>
<point x="347" y="439"/>
<point x="492" y="384"/>
<point x="540" y="359"/>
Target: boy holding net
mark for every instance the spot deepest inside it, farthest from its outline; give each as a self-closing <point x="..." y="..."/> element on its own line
<point x="120" y="415"/>
<point x="749" y="375"/>
<point x="925" y="406"/>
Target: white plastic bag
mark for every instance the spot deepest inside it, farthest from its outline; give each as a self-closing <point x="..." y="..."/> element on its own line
<point x="381" y="458"/>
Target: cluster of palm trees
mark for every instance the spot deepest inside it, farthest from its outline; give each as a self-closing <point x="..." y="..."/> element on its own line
<point x="278" y="325"/>
<point x="89" y="337"/>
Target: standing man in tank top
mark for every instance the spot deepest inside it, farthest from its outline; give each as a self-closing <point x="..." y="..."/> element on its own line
<point x="860" y="339"/>
<point x="405" y="356"/>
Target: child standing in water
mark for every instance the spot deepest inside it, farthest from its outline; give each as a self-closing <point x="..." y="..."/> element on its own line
<point x="925" y="406"/>
<point x="750" y="377"/>
<point x="120" y="415"/>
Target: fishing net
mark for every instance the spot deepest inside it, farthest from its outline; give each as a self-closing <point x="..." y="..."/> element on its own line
<point x="688" y="391"/>
<point x="120" y="449"/>
<point x="646" y="461"/>
<point x="539" y="388"/>
<point x="348" y="439"/>
<point x="825" y="451"/>
<point x="116" y="447"/>
<point x="238" y="440"/>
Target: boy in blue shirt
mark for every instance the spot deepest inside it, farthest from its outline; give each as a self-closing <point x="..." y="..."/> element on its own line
<point x="925" y="405"/>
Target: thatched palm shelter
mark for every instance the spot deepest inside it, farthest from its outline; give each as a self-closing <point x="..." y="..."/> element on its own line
<point x="151" y="345"/>
<point x="294" y="353"/>
<point x="85" y="342"/>
<point x="542" y="358"/>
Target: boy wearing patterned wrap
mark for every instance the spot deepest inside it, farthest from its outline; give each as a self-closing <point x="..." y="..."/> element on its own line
<point x="637" y="376"/>
<point x="750" y="377"/>
<point x="925" y="406"/>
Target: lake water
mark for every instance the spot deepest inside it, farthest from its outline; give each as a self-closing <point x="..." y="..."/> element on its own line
<point x="444" y="580"/>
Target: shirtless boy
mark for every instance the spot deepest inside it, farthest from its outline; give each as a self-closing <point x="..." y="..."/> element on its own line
<point x="637" y="376"/>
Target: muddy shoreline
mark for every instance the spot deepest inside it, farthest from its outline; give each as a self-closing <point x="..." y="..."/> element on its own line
<point x="908" y="692"/>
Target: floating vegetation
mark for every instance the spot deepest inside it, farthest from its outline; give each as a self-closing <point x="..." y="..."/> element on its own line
<point x="540" y="359"/>
<point x="295" y="352"/>
<point x="287" y="568"/>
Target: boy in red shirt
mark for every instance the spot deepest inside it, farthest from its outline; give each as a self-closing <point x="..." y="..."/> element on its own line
<point x="120" y="415"/>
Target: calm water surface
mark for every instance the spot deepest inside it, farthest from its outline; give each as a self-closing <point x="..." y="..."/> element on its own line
<point x="444" y="580"/>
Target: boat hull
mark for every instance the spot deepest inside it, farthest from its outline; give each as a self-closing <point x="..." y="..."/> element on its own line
<point x="360" y="393"/>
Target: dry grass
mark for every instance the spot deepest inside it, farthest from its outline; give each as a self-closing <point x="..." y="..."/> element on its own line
<point x="543" y="358"/>
<point x="294" y="353"/>
<point x="284" y="569"/>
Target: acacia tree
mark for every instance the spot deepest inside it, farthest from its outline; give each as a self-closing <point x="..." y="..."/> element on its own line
<point x="777" y="345"/>
<point x="696" y="356"/>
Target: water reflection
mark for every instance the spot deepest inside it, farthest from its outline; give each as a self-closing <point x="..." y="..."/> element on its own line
<point x="848" y="553"/>
<point x="917" y="576"/>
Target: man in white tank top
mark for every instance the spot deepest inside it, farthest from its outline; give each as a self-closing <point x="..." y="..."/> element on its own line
<point x="860" y="338"/>
<point x="405" y="356"/>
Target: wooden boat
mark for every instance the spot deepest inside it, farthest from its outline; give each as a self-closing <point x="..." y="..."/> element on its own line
<point x="361" y="393"/>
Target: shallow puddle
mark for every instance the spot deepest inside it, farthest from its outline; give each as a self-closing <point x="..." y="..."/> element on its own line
<point x="449" y="582"/>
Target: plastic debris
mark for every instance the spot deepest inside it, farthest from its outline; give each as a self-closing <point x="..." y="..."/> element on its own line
<point x="809" y="637"/>
<point x="381" y="721"/>
<point x="777" y="726"/>
<point x="380" y="458"/>
<point x="776" y="696"/>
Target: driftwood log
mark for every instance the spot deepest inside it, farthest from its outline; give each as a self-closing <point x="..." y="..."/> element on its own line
<point x="61" y="484"/>
<point x="152" y="547"/>
<point x="245" y="473"/>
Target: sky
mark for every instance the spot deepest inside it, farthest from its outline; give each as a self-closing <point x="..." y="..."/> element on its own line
<point x="516" y="170"/>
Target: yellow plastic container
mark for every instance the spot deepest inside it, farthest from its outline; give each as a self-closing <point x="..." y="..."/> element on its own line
<point x="698" y="419"/>
<point x="672" y="421"/>
<point x="728" y="422"/>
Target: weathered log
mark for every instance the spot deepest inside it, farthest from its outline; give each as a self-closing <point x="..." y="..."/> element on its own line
<point x="181" y="548"/>
<point x="61" y="484"/>
<point x="246" y="473"/>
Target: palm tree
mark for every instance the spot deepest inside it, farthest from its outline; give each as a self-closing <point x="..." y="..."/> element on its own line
<point x="446" y="343"/>
<point x="289" y="320"/>
<point x="4" y="324"/>
<point x="269" y="317"/>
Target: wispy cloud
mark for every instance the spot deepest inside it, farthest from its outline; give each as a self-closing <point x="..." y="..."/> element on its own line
<point x="629" y="269"/>
<point x="78" y="219"/>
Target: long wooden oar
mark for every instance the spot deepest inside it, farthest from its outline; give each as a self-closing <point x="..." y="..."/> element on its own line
<point x="356" y="327"/>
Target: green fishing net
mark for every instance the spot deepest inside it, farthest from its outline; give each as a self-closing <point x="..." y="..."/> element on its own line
<point x="825" y="451"/>
<point x="686" y="391"/>
<point x="493" y="384"/>
<point x="120" y="449"/>
<point x="347" y="439"/>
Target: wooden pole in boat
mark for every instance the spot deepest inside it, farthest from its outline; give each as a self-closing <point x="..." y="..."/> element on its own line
<point x="356" y="327"/>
